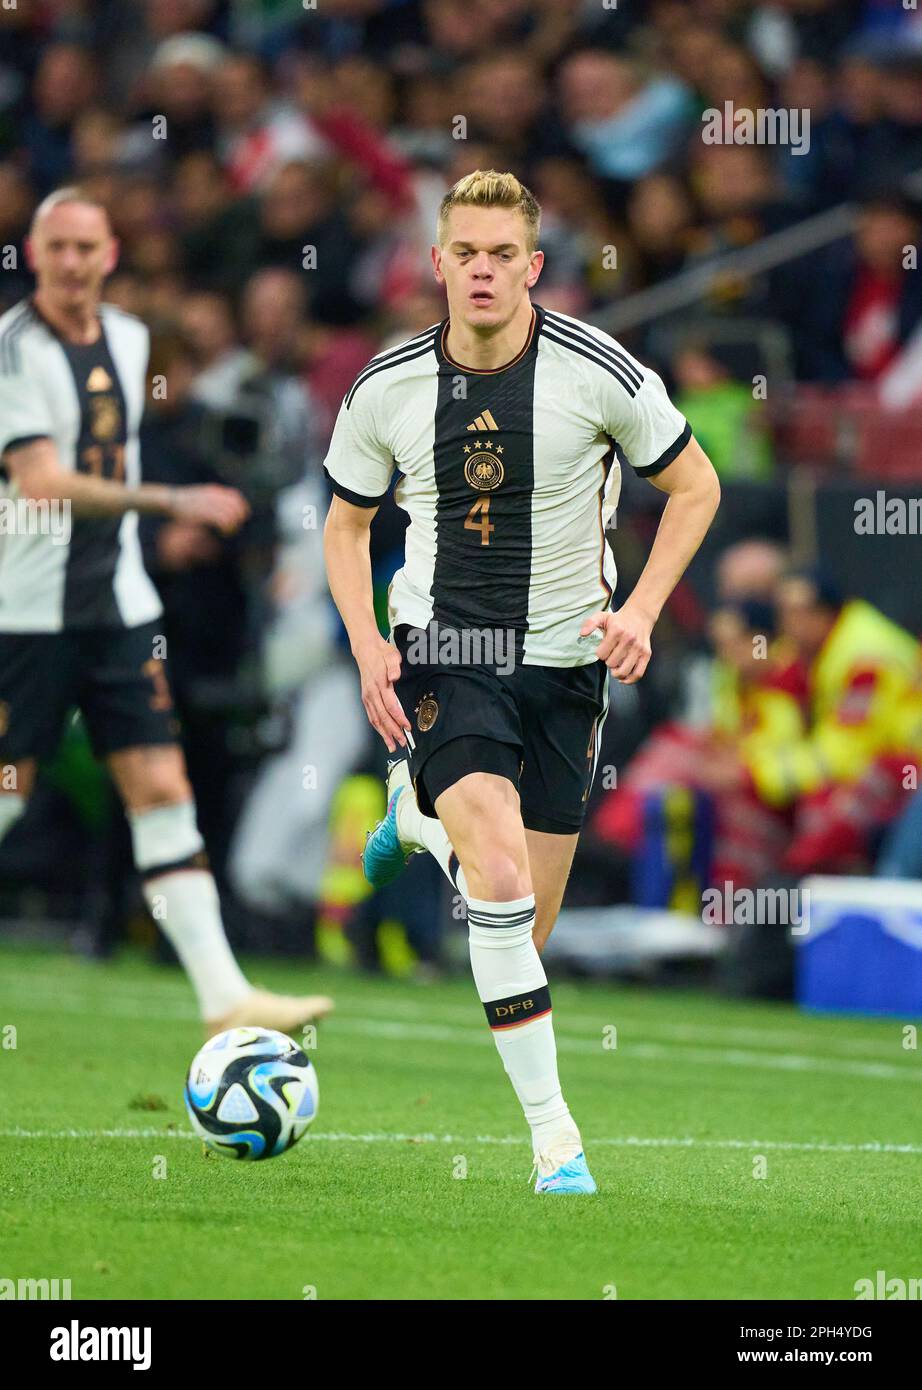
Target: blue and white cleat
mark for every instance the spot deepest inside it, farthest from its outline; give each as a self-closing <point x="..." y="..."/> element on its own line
<point x="569" y="1175"/>
<point x="385" y="855"/>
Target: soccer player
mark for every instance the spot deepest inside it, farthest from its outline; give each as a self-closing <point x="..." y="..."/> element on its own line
<point x="78" y="613"/>
<point x="507" y="424"/>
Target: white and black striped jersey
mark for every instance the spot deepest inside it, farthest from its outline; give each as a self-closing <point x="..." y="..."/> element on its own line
<point x="510" y="476"/>
<point x="87" y="399"/>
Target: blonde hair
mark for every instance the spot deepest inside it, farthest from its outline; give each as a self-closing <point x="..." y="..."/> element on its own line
<point x="485" y="188"/>
<point x="72" y="194"/>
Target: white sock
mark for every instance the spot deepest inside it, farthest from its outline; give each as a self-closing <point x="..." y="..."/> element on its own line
<point x="415" y="828"/>
<point x="512" y="985"/>
<point x="12" y="806"/>
<point x="181" y="894"/>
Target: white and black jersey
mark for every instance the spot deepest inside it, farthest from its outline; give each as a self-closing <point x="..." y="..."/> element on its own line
<point x="510" y="476"/>
<point x="88" y="400"/>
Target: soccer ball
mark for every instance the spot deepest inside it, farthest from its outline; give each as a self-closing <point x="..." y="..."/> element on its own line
<point x="251" y="1093"/>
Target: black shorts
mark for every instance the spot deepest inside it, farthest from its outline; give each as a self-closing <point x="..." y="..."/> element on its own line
<point x="110" y="674"/>
<point x="539" y="726"/>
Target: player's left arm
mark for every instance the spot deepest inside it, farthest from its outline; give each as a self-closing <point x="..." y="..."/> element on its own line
<point x="693" y="493"/>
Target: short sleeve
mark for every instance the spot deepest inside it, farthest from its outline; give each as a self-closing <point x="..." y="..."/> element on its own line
<point x="24" y="412"/>
<point x="358" y="462"/>
<point x="648" y="430"/>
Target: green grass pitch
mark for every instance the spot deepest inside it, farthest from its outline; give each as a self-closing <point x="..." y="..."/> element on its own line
<point x="697" y="1097"/>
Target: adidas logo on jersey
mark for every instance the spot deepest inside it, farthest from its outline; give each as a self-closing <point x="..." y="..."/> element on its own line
<point x="99" y="380"/>
<point x="484" y="422"/>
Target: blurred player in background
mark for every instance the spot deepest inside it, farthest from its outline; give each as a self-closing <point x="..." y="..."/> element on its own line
<point x="78" y="613"/>
<point x="845" y="776"/>
<point x="508" y="424"/>
<point x="757" y="709"/>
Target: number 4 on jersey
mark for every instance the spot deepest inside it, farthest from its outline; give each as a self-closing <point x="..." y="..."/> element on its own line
<point x="485" y="526"/>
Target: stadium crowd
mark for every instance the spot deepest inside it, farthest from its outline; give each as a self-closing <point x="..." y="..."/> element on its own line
<point x="273" y="171"/>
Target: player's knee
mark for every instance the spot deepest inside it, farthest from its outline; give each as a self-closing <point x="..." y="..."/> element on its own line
<point x="165" y="838"/>
<point x="160" y="788"/>
<point x="491" y="845"/>
<point x="496" y="875"/>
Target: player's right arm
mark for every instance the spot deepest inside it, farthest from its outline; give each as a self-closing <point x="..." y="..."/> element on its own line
<point x="359" y="465"/>
<point x="36" y="469"/>
<point x="347" y="551"/>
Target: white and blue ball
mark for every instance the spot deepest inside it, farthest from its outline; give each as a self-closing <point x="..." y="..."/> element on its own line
<point x="251" y="1093"/>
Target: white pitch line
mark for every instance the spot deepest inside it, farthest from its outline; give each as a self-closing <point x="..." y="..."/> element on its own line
<point x="670" y="1052"/>
<point x="173" y="1002"/>
<point x="628" y="1141"/>
<point x="648" y="1052"/>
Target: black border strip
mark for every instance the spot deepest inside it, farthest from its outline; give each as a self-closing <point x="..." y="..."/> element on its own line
<point x="605" y="349"/>
<point x="356" y="498"/>
<point x="379" y="366"/>
<point x="550" y="333"/>
<point x="670" y="455"/>
<point x="23" y="440"/>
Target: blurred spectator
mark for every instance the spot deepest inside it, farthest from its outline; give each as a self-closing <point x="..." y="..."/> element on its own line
<point x="843" y="141"/>
<point x="894" y="146"/>
<point x="507" y="98"/>
<point x="422" y="130"/>
<point x="257" y="134"/>
<point x="207" y="321"/>
<point x="16" y="204"/>
<point x="733" y="75"/>
<point x="809" y="744"/>
<point x="726" y="420"/>
<point x="626" y="126"/>
<point x="690" y="43"/>
<point x="807" y="88"/>
<point x="65" y="85"/>
<point x="758" y="699"/>
<point x="267" y="427"/>
<point x="201" y="578"/>
<point x="739" y="196"/>
<point x="295" y="224"/>
<point x="747" y="571"/>
<point x="858" y="302"/>
<point x="575" y="225"/>
<point x="750" y="570"/>
<point x="201" y="200"/>
<point x="661" y="219"/>
<point x="780" y="33"/>
<point x="863" y="700"/>
<point x="183" y="88"/>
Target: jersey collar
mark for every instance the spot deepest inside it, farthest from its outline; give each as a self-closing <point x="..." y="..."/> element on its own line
<point x="56" y="333"/>
<point x="530" y="345"/>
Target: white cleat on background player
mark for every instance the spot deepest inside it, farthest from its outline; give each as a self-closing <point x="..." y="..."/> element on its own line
<point x="286" y="1013"/>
